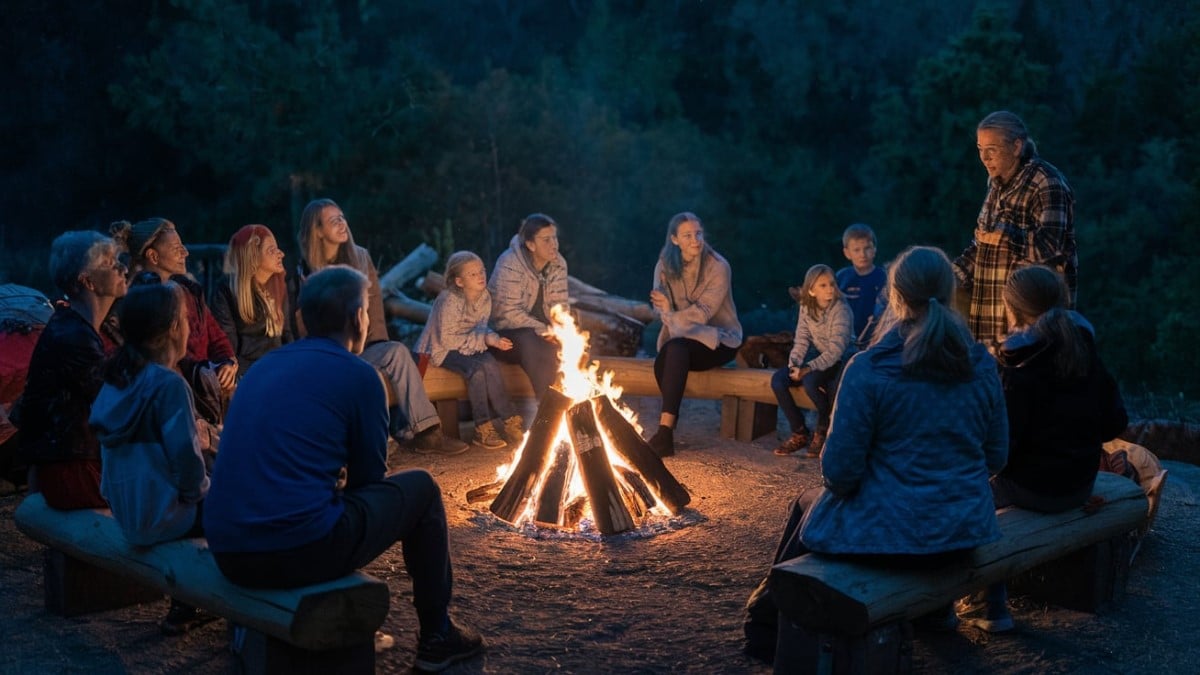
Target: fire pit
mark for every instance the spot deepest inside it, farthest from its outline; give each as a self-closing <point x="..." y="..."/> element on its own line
<point x="583" y="459"/>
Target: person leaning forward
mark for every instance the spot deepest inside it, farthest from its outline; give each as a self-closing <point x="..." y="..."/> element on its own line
<point x="299" y="495"/>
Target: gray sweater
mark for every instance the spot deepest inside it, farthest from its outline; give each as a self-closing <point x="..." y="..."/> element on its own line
<point x="455" y="324"/>
<point x="514" y="288"/>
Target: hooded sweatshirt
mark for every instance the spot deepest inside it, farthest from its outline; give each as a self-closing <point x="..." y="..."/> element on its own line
<point x="153" y="475"/>
<point x="515" y="287"/>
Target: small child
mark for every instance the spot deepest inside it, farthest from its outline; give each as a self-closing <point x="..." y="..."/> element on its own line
<point x="862" y="283"/>
<point x="456" y="337"/>
<point x="820" y="348"/>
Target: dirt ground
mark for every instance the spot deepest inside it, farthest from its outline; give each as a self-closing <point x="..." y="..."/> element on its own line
<point x="667" y="602"/>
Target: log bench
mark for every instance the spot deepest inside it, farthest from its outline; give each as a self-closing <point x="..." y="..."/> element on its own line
<point x="846" y="617"/>
<point x="325" y="628"/>
<point x="748" y="406"/>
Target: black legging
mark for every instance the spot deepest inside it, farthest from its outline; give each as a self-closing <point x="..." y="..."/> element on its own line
<point x="677" y="357"/>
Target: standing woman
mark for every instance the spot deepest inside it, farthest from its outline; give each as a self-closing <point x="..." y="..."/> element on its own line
<point x="693" y="294"/>
<point x="252" y="306"/>
<point x="154" y="245"/>
<point x="325" y="240"/>
<point x="529" y="279"/>
<point x="66" y="372"/>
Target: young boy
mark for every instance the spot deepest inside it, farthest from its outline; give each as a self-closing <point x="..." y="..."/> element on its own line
<point x="862" y="283"/>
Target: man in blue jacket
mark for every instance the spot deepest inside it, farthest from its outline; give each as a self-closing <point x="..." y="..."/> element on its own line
<point x="298" y="493"/>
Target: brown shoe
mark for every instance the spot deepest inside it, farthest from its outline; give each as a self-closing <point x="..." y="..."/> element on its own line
<point x="794" y="443"/>
<point x="514" y="429"/>
<point x="817" y="445"/>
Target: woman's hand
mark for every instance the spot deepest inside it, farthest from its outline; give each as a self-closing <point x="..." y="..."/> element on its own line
<point x="659" y="301"/>
<point x="227" y="375"/>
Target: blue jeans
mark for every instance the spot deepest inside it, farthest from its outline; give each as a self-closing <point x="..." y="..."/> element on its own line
<point x="537" y="356"/>
<point x="413" y="412"/>
<point x="821" y="387"/>
<point x="485" y="384"/>
<point x="404" y="507"/>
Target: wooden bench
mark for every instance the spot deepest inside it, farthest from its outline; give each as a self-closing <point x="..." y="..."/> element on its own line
<point x="748" y="406"/>
<point x="325" y="628"/>
<point x="841" y="616"/>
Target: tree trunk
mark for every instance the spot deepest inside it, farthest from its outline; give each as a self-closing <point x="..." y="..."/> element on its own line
<point x="414" y="264"/>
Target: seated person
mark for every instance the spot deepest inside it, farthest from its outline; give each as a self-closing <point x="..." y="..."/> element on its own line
<point x="325" y="239"/>
<point x="918" y="425"/>
<point x="1063" y="405"/>
<point x="299" y="495"/>
<point x="153" y="474"/>
<point x="251" y="307"/>
<point x="66" y="371"/>
<point x="529" y="279"/>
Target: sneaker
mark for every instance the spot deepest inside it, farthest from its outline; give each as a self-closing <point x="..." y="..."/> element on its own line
<point x="182" y="618"/>
<point x="514" y="429"/>
<point x="817" y="444"/>
<point x="663" y="441"/>
<point x="433" y="442"/>
<point x="383" y="641"/>
<point x="795" y="443"/>
<point x="1001" y="624"/>
<point x="487" y="438"/>
<point x="437" y="652"/>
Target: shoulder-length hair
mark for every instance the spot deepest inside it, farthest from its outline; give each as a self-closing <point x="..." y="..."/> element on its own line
<point x="808" y="303"/>
<point x="1038" y="296"/>
<point x="310" y="245"/>
<point x="671" y="256"/>
<point x="454" y="268"/>
<point x="243" y="257"/>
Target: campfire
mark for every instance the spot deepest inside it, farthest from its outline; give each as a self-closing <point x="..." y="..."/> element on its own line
<point x="583" y="458"/>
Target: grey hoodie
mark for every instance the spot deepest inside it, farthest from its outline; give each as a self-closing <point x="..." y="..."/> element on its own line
<point x="153" y="472"/>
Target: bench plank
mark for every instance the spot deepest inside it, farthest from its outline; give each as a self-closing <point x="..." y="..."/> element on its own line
<point x="339" y="613"/>
<point x="850" y="598"/>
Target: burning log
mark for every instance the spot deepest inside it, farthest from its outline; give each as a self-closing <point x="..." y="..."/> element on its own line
<point x="534" y="455"/>
<point x="484" y="492"/>
<point x="608" y="507"/>
<point x="633" y="449"/>
<point x="554" y="488"/>
<point x="637" y="494"/>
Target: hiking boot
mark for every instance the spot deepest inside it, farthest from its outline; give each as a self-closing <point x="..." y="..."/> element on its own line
<point x="182" y="618"/>
<point x="433" y="442"/>
<point x="514" y="429"/>
<point x="796" y="442"/>
<point x="817" y="445"/>
<point x="437" y="652"/>
<point x="663" y="441"/>
<point x="487" y="438"/>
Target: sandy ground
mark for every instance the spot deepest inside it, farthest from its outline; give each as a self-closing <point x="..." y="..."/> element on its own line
<point x="670" y="602"/>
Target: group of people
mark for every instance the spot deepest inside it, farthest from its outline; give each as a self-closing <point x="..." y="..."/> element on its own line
<point x="263" y="422"/>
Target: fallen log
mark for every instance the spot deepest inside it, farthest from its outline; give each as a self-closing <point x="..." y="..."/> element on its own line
<point x="400" y="306"/>
<point x="420" y="259"/>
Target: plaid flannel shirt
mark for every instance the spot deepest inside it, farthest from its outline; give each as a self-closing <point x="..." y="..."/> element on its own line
<point x="1030" y="219"/>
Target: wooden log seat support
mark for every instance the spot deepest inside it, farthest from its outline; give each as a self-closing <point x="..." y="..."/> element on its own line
<point x="327" y="627"/>
<point x="748" y="406"/>
<point x="840" y="616"/>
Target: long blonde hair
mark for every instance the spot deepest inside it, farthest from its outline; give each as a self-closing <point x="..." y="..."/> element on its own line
<point x="311" y="248"/>
<point x="243" y="257"/>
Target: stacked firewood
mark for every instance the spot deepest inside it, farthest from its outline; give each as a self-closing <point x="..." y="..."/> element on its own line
<point x="614" y="323"/>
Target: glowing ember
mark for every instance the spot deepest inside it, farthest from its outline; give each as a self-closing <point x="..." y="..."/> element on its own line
<point x="584" y="458"/>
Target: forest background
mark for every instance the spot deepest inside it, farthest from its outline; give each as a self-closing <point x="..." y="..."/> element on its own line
<point x="778" y="122"/>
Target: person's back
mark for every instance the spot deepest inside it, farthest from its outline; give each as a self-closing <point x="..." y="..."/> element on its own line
<point x="299" y="495"/>
<point x="307" y="410"/>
